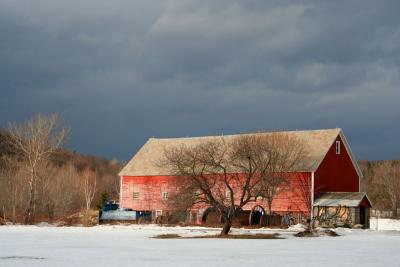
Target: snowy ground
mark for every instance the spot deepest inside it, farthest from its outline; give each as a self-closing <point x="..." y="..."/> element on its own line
<point x="133" y="246"/>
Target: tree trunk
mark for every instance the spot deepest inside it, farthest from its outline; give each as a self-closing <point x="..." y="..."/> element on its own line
<point x="395" y="215"/>
<point x="231" y="214"/>
<point x="227" y="227"/>
<point x="269" y="207"/>
<point x="13" y="216"/>
<point x="14" y="203"/>
<point x="4" y="215"/>
<point x="31" y="203"/>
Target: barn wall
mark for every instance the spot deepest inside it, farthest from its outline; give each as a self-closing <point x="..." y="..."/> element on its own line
<point x="356" y="218"/>
<point x="150" y="189"/>
<point x="336" y="173"/>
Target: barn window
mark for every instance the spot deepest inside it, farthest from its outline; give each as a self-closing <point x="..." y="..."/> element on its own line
<point x="165" y="195"/>
<point x="337" y="147"/>
<point x="135" y="195"/>
<point x="197" y="193"/>
<point x="228" y="195"/>
<point x="158" y="213"/>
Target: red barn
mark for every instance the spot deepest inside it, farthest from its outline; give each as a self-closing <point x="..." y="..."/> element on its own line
<point x="333" y="169"/>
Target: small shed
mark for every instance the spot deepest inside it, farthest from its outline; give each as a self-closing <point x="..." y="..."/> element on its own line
<point x="342" y="209"/>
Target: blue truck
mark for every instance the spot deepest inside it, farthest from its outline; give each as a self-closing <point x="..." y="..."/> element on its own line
<point x="111" y="212"/>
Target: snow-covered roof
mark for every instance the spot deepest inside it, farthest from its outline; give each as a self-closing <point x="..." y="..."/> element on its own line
<point x="144" y="163"/>
<point x="335" y="199"/>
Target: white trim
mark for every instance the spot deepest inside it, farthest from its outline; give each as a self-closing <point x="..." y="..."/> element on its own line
<point x="120" y="192"/>
<point x="312" y="196"/>
<point x="228" y="195"/>
<point x="165" y="195"/>
<point x="337" y="147"/>
<point x="368" y="199"/>
<point x="158" y="213"/>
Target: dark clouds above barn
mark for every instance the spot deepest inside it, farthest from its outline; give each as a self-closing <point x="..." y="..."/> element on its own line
<point x="120" y="72"/>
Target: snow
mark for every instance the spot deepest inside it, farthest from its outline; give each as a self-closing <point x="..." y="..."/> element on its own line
<point x="384" y="224"/>
<point x="298" y="227"/>
<point x="133" y="245"/>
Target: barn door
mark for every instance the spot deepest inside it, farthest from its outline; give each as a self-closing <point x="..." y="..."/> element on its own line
<point x="362" y="216"/>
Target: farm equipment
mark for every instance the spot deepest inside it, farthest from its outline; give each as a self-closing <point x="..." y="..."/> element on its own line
<point x="110" y="212"/>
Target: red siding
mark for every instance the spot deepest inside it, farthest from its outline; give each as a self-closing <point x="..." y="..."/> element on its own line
<point x="336" y="173"/>
<point x="150" y="190"/>
<point x="365" y="203"/>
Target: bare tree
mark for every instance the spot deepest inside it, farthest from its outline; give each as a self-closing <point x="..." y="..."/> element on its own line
<point x="9" y="186"/>
<point x="303" y="186"/>
<point x="302" y="192"/>
<point x="279" y="154"/>
<point x="388" y="174"/>
<point x="184" y="196"/>
<point x="36" y="140"/>
<point x="89" y="187"/>
<point x="228" y="173"/>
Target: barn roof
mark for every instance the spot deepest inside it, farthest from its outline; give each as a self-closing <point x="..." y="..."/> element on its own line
<point x="336" y="199"/>
<point x="144" y="163"/>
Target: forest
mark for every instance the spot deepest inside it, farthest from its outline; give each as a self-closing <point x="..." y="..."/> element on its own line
<point x="40" y="180"/>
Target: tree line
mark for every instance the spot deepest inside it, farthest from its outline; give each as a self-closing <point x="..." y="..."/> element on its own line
<point x="40" y="180"/>
<point x="382" y="183"/>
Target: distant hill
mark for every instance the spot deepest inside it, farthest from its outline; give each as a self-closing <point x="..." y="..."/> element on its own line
<point x="65" y="156"/>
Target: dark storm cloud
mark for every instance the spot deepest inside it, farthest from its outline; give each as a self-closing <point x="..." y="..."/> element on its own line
<point x="122" y="71"/>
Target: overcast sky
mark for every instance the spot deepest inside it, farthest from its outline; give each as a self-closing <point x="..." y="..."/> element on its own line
<point x="120" y="72"/>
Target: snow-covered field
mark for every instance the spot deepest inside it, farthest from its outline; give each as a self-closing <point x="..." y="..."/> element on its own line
<point x="133" y="246"/>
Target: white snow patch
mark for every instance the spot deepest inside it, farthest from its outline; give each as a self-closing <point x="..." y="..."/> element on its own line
<point x="45" y="224"/>
<point x="298" y="227"/>
<point x="384" y="224"/>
